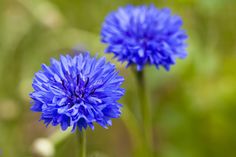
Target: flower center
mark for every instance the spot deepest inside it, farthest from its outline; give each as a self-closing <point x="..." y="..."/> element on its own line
<point x="77" y="90"/>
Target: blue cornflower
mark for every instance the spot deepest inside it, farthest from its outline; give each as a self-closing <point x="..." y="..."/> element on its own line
<point x="142" y="35"/>
<point x="77" y="91"/>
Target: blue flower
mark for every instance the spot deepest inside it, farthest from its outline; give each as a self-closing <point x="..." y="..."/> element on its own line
<point x="142" y="35"/>
<point x="77" y="91"/>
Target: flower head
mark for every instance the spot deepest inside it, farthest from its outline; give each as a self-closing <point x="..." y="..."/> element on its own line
<point x="77" y="91"/>
<point x="144" y="35"/>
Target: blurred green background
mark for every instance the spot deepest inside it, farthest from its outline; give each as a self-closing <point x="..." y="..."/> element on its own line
<point x="193" y="105"/>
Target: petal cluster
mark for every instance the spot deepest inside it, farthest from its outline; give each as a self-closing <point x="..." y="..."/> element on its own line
<point x="78" y="92"/>
<point x="143" y="35"/>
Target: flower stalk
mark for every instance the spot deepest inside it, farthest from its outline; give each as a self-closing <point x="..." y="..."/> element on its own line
<point x="145" y="112"/>
<point x="81" y="135"/>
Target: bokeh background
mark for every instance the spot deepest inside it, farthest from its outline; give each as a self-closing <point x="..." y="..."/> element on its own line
<point x="193" y="105"/>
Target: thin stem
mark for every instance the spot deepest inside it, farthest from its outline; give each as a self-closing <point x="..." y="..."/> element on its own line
<point x="145" y="111"/>
<point x="82" y="143"/>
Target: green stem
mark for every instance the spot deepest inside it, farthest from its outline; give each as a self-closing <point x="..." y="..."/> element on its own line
<point x="82" y="143"/>
<point x="145" y="112"/>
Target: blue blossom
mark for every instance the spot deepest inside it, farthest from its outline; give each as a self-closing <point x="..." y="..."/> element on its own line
<point x="78" y="92"/>
<point x="141" y="35"/>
